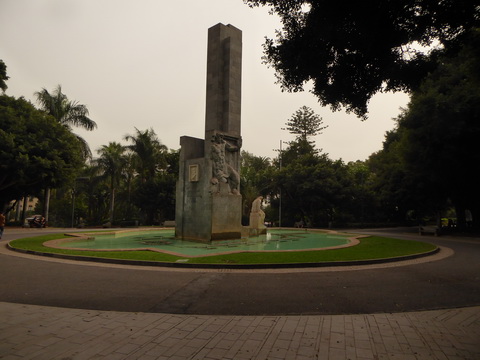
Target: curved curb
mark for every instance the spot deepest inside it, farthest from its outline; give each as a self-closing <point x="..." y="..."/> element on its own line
<point x="225" y="266"/>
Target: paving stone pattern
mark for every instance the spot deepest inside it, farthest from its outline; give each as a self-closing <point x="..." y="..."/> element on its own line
<point x="37" y="332"/>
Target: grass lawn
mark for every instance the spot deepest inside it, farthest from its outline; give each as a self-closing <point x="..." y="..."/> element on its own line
<point x="370" y="248"/>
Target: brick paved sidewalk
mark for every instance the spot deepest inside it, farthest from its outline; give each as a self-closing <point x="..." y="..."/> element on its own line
<point x="37" y="332"/>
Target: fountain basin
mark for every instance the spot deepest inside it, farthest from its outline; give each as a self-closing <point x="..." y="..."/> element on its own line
<point x="164" y="241"/>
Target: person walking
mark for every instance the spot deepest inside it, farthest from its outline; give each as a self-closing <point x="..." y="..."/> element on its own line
<point x="2" y="224"/>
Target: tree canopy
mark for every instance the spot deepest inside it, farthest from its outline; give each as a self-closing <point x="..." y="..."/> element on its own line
<point x="35" y="151"/>
<point x="429" y="161"/>
<point x="149" y="152"/>
<point x="112" y="162"/>
<point x="443" y="127"/>
<point x="353" y="50"/>
<point x="154" y="193"/>
<point x="67" y="113"/>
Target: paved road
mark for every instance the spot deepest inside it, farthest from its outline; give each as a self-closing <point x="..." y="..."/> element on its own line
<point x="419" y="285"/>
<point x="142" y="331"/>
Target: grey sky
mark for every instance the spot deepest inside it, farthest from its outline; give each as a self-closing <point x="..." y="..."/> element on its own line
<point x="142" y="64"/>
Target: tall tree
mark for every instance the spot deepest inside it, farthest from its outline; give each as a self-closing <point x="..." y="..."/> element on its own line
<point x="149" y="151"/>
<point x="443" y="126"/>
<point x="67" y="112"/>
<point x="390" y="182"/>
<point x="112" y="162"/>
<point x="428" y="163"/>
<point x="154" y="181"/>
<point x="353" y="50"/>
<point x="98" y="194"/>
<point x="314" y="189"/>
<point x="3" y="76"/>
<point x="129" y="176"/>
<point x="304" y="123"/>
<point x="35" y="151"/>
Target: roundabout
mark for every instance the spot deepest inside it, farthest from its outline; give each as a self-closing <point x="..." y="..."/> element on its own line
<point x="278" y="248"/>
<point x="447" y="279"/>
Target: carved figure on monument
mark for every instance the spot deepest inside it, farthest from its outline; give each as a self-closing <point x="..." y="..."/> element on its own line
<point x="222" y="169"/>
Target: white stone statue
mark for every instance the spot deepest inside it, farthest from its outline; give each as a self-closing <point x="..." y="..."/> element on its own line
<point x="257" y="216"/>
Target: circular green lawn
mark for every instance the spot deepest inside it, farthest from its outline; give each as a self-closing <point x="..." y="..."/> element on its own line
<point x="371" y="249"/>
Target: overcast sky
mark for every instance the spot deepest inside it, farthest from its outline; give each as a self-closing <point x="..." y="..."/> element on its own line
<point x="142" y="64"/>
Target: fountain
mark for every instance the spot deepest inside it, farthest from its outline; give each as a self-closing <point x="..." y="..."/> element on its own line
<point x="208" y="200"/>
<point x="165" y="241"/>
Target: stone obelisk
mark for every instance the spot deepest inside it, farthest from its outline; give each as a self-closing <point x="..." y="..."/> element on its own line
<point x="208" y="200"/>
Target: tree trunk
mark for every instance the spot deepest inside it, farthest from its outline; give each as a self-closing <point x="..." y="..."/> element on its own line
<point x="112" y="205"/>
<point x="46" y="204"/>
<point x="18" y="216"/>
<point x="24" y="209"/>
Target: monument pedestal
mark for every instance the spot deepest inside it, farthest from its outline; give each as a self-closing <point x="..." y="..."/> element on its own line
<point x="226" y="214"/>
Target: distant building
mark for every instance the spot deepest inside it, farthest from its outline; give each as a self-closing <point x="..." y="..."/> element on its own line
<point x="27" y="203"/>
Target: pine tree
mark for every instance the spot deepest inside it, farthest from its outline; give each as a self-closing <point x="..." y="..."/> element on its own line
<point x="304" y="123"/>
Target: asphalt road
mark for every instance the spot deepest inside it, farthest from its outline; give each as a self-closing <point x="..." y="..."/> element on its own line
<point x="451" y="282"/>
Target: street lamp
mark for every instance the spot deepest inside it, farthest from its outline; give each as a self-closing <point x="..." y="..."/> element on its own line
<point x="73" y="204"/>
<point x="280" y="191"/>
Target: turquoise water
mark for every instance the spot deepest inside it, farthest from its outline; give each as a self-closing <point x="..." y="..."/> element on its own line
<point x="164" y="240"/>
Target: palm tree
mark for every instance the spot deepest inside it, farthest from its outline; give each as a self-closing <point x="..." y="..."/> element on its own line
<point x="150" y="159"/>
<point x="149" y="151"/>
<point x="112" y="162"/>
<point x="68" y="113"/>
<point x="129" y="174"/>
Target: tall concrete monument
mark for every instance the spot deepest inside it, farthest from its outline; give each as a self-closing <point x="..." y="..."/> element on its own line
<point x="208" y="200"/>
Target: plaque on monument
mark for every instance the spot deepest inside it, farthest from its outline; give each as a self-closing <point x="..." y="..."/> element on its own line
<point x="193" y="173"/>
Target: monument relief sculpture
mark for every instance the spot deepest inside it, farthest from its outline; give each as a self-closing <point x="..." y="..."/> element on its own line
<point x="223" y="169"/>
